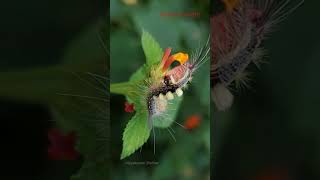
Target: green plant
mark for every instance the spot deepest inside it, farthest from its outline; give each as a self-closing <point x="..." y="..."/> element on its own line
<point x="150" y="89"/>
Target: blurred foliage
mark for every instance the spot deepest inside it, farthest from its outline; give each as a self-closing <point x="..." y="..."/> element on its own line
<point x="274" y="126"/>
<point x="188" y="158"/>
<point x="76" y="90"/>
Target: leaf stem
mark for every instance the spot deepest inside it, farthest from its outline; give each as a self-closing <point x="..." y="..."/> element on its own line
<point x="123" y="88"/>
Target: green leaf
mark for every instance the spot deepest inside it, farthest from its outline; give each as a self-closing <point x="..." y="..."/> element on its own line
<point x="151" y="48"/>
<point x="164" y="122"/>
<point x="139" y="75"/>
<point x="135" y="134"/>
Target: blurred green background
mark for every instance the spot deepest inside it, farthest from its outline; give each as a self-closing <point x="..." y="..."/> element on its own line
<point x="43" y="43"/>
<point x="273" y="130"/>
<point x="189" y="156"/>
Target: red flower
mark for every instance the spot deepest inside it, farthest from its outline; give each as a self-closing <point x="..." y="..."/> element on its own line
<point x="61" y="145"/>
<point x="192" y="122"/>
<point x="129" y="108"/>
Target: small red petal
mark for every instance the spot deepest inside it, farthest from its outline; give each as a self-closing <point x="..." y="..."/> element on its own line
<point x="165" y="56"/>
<point x="62" y="146"/>
<point x="129" y="108"/>
<point x="192" y="122"/>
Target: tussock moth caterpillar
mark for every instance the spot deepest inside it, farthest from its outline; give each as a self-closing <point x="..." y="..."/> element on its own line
<point x="237" y="34"/>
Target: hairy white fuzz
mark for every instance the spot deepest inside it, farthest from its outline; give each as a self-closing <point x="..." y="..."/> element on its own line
<point x="222" y="97"/>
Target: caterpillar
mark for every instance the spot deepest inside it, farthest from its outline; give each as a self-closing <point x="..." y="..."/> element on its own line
<point x="237" y="35"/>
<point x="153" y="92"/>
<point x="172" y="81"/>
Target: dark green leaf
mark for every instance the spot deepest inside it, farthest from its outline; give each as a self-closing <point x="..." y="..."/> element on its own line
<point x="151" y="48"/>
<point x="135" y="134"/>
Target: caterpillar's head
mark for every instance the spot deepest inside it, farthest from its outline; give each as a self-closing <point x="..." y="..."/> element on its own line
<point x="178" y="75"/>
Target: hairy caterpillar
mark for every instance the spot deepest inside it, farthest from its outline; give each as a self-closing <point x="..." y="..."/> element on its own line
<point x="172" y="81"/>
<point x="154" y="91"/>
<point x="237" y="34"/>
